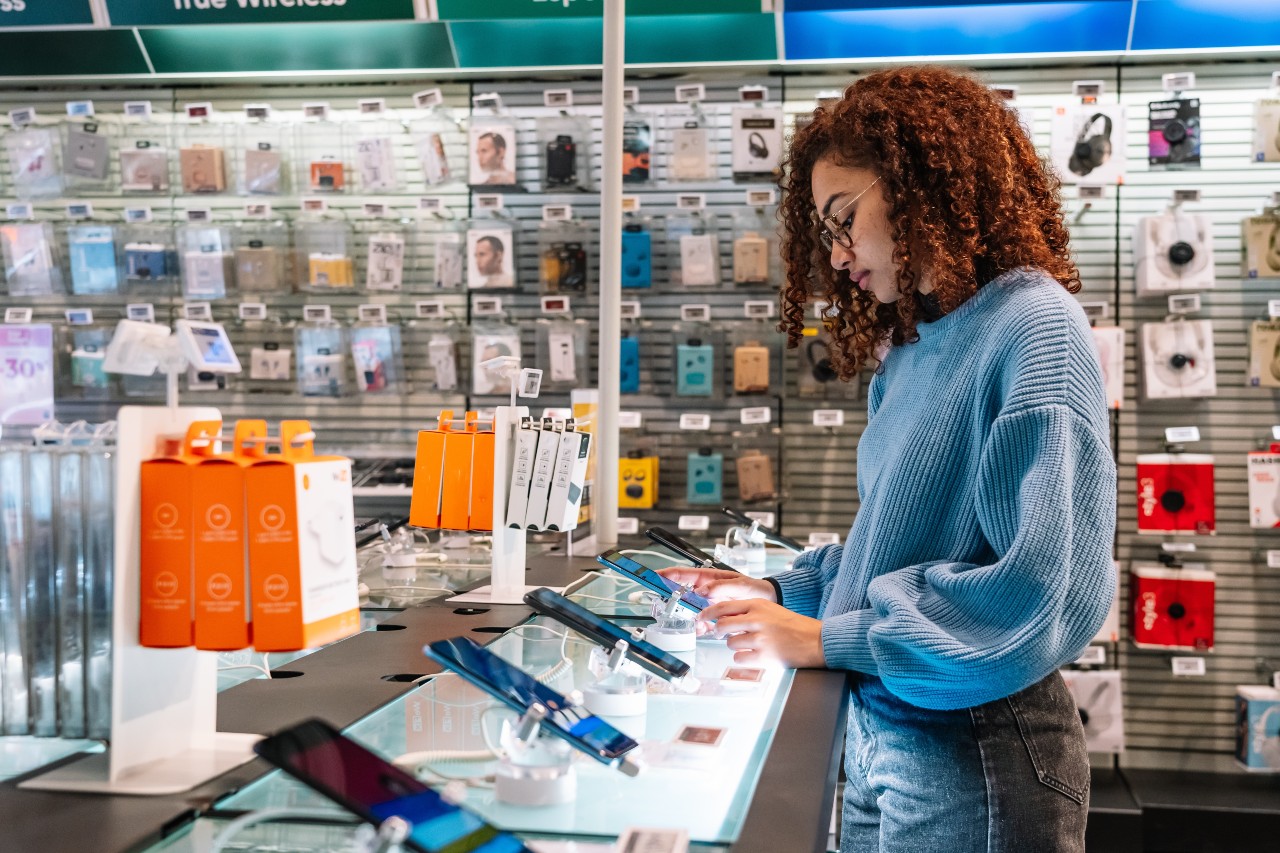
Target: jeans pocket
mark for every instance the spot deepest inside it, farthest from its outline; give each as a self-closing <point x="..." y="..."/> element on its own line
<point x="1050" y="728"/>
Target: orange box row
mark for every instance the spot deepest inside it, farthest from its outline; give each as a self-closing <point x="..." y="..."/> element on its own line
<point x="453" y="476"/>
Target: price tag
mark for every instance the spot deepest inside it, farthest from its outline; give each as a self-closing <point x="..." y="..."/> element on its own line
<point x="753" y="94"/>
<point x="766" y="519"/>
<point x="199" y="214"/>
<point x="557" y="212"/>
<point x="257" y="112"/>
<point x="137" y="214"/>
<point x="695" y="421"/>
<point x="143" y="312"/>
<point x="17" y="315"/>
<point x="372" y="314"/>
<point x="372" y="106"/>
<point x="1088" y="88"/>
<point x="629" y="420"/>
<point x="1091" y="192"/>
<point x="374" y="209"/>
<point x="79" y="109"/>
<point x="1096" y="310"/>
<point x="630" y="310"/>
<point x="80" y="210"/>
<point x="317" y="313"/>
<point x="630" y="203"/>
<point x="79" y="316"/>
<point x="1182" y="435"/>
<point x="630" y="95"/>
<point x="1273" y="559"/>
<point x="489" y="201"/>
<point x="761" y="198"/>
<point x="691" y="93"/>
<point x="257" y="210"/>
<point x="318" y="110"/>
<point x="487" y="305"/>
<point x="694" y="522"/>
<point x="628" y="526"/>
<point x="562" y="98"/>
<point x="756" y="415"/>
<point x="19" y="210"/>
<point x="22" y="117"/>
<point x="1273" y="308"/>
<point x="1178" y="547"/>
<point x="137" y="109"/>
<point x="315" y="205"/>
<point x="691" y="201"/>
<point x="1093" y="656"/>
<point x="1189" y="195"/>
<point x="1184" y="303"/>
<point x="201" y="311"/>
<point x="820" y="538"/>
<point x="253" y="311"/>
<point x="828" y="417"/>
<point x="487" y="101"/>
<point x="695" y="313"/>
<point x="758" y="309"/>
<point x="1188" y="667"/>
<point x="428" y="98"/>
<point x="431" y="204"/>
<point x="555" y="305"/>
<point x="1178" y="81"/>
<point x="201" y="110"/>
<point x="429" y="309"/>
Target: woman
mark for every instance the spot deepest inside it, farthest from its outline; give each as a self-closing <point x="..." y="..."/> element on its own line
<point x="979" y="560"/>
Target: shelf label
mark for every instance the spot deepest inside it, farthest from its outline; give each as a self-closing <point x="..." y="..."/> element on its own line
<point x="137" y="109"/>
<point x="429" y="309"/>
<point x="828" y="417"/>
<point x="761" y="198"/>
<point x="1088" y="88"/>
<point x="630" y="95"/>
<point x="17" y="315"/>
<point x="630" y="203"/>
<point x="431" y="204"/>
<point x="428" y="98"/>
<point x="1178" y="81"/>
<point x="691" y="93"/>
<point x="487" y="101"/>
<point x="756" y="415"/>
<point x="487" y="305"/>
<point x="252" y="311"/>
<point x="694" y="522"/>
<point x="489" y="201"/>
<point x="1096" y="310"/>
<point x="766" y="519"/>
<point x="629" y="420"/>
<point x="80" y="210"/>
<point x="372" y="106"/>
<point x="200" y="311"/>
<point x="80" y="109"/>
<point x="1182" y="435"/>
<point x="199" y="214"/>
<point x="693" y="421"/>
<point x="1273" y="559"/>
<point x="758" y="309"/>
<point x="22" y="117"/>
<point x="143" y="312"/>
<point x="372" y="313"/>
<point x="1091" y="192"/>
<point x="1273" y="308"/>
<point x="19" y="210"/>
<point x="203" y="109"/>
<point x="1188" y="667"/>
<point x="79" y="316"/>
<point x="374" y="209"/>
<point x="555" y="305"/>
<point x="753" y="94"/>
<point x="315" y="205"/>
<point x="562" y="98"/>
<point x="257" y="112"/>
<point x="137" y="214"/>
<point x="317" y="313"/>
<point x="317" y="110"/>
<point x="1184" y="303"/>
<point x="1189" y="195"/>
<point x="630" y="310"/>
<point x="628" y="526"/>
<point x="691" y="201"/>
<point x="700" y="313"/>
<point x="1178" y="547"/>
<point x="257" y="210"/>
<point x="557" y="212"/>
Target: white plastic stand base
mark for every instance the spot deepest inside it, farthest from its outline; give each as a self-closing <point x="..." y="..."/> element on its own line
<point x="535" y="786"/>
<point x="492" y="595"/>
<point x="604" y="702"/>
<point x="672" y="639"/>
<point x="171" y="775"/>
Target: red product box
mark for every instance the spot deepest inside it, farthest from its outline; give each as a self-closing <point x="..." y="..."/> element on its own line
<point x="1172" y="607"/>
<point x="1175" y="493"/>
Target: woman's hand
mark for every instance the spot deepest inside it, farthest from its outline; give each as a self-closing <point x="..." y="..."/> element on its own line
<point x="762" y="630"/>
<point x="719" y="585"/>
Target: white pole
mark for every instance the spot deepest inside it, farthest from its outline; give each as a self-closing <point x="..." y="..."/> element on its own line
<point x="606" y="497"/>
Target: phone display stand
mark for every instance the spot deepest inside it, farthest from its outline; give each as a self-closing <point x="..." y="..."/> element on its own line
<point x="536" y="769"/>
<point x="673" y="627"/>
<point x="164" y="736"/>
<point x="744" y="550"/>
<point x="388" y="837"/>
<point x="619" y="688"/>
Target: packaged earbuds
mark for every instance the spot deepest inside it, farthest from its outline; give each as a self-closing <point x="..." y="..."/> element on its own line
<point x="377" y="359"/>
<point x="1264" y="487"/>
<point x="816" y="376"/>
<point x="324" y="256"/>
<point x="637" y="148"/>
<point x="1173" y="252"/>
<point x="262" y="256"/>
<point x="385" y="256"/>
<point x="1266" y="130"/>
<point x="270" y="344"/>
<point x="321" y="151"/>
<point x="84" y="355"/>
<point x="563" y="353"/>
<point x="1100" y="701"/>
<point x="1172" y="607"/>
<point x="150" y="259"/>
<point x="697" y="366"/>
<point x="86" y="155"/>
<point x="30" y="267"/>
<point x="1260" y="246"/>
<point x="1173" y="135"/>
<point x="491" y="262"/>
<point x="757" y="142"/>
<point x="705" y="478"/>
<point x="629" y="365"/>
<point x="564" y="141"/>
<point x="1264" y="354"/>
<point x="563" y="264"/>
<point x="208" y="264"/>
<point x="321" y="349"/>
<point x="492" y="146"/>
<point x="638" y="480"/>
<point x="1175" y="493"/>
<point x="1178" y="359"/>
<point x="692" y="237"/>
<point x="263" y="148"/>
<point x="489" y="341"/>
<point x="33" y="162"/>
<point x="755" y="476"/>
<point x="637" y="252"/>
<point x="691" y="158"/>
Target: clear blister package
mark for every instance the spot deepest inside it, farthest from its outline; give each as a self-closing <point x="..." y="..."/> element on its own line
<point x="84" y="350"/>
<point x="322" y="144"/>
<point x="489" y="341"/>
<point x="756" y="144"/>
<point x="752" y="476"/>
<point x="693" y="243"/>
<point x="149" y="258"/>
<point x="633" y="374"/>
<point x="208" y="262"/>
<point x="444" y="359"/>
<point x="376" y="149"/>
<point x="33" y="162"/>
<point x="262" y="256"/>
<point x="491" y="255"/>
<point x="323" y="251"/>
<point x="378" y="359"/>
<point x="755" y="358"/>
<point x="562" y="349"/>
<point x="86" y="155"/>
<point x="269" y="345"/>
<point x="93" y="259"/>
<point x="203" y="164"/>
<point x="262" y="148"/>
<point x="697" y="349"/>
<point x="30" y="259"/>
<point x="691" y="157"/>
<point x="563" y="263"/>
<point x="757" y="258"/>
<point x="437" y="254"/>
<point x="321" y="349"/>
<point x="69" y="520"/>
<point x="637" y="252"/>
<point x="637" y="148"/>
<point x="386" y="248"/>
<point x="704" y="477"/>
<point x="564" y="145"/>
<point x="815" y="374"/>
<point x="491" y="146"/>
<point x="437" y="144"/>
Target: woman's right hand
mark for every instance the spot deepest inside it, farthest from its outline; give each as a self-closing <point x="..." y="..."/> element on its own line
<point x="719" y="585"/>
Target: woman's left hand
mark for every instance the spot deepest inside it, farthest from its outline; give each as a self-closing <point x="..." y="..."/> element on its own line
<point x="760" y="630"/>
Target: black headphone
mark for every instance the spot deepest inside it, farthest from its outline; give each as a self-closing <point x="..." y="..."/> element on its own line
<point x="822" y="370"/>
<point x="1090" y="152"/>
<point x="756" y="145"/>
<point x="1181" y="138"/>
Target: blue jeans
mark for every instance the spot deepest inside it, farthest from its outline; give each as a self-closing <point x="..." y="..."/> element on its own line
<point x="1011" y="775"/>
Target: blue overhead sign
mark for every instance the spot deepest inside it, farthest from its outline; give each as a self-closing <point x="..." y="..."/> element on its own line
<point x="1187" y="24"/>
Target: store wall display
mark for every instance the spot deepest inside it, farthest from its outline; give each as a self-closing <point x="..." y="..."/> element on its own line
<point x="1174" y="252"/>
<point x="1174" y="133"/>
<point x="1178" y="359"/>
<point x="1086" y="145"/>
<point x="491" y="261"/>
<point x="1176" y="493"/>
<point x="1173" y="607"/>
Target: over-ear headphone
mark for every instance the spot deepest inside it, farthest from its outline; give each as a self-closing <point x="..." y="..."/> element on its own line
<point x="757" y="146"/>
<point x="1181" y="137"/>
<point x="822" y="370"/>
<point x="1273" y="247"/>
<point x="1091" y="151"/>
<point x="1179" y="354"/>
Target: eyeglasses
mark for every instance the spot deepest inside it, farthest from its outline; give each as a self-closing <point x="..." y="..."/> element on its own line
<point x="830" y="231"/>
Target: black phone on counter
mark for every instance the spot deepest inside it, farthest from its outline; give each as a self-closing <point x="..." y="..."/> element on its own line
<point x="374" y="789"/>
<point x="770" y="535"/>
<point x="605" y="633"/>
<point x="678" y="544"/>
<point x="520" y="691"/>
<point x="647" y="577"/>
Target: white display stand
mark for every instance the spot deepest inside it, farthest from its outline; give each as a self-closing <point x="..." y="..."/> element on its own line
<point x="163" y="701"/>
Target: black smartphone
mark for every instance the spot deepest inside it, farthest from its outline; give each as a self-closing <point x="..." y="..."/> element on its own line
<point x="686" y="549"/>
<point x="605" y="633"/>
<point x="520" y="691"/>
<point x="374" y="789"/>
<point x="770" y="535"/>
<point x="647" y="577"/>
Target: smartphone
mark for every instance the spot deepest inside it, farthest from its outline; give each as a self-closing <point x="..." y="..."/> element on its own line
<point x="650" y="579"/>
<point x="685" y="548"/>
<point x="317" y="754"/>
<point x="520" y="691"/>
<point x="604" y="632"/>
<point x="770" y="535"/>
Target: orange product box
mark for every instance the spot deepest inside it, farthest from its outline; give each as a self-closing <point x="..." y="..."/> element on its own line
<point x="303" y="578"/>
<point x="482" y="451"/>
<point x="428" y="469"/>
<point x="326" y="175"/>
<point x="167" y="539"/>
<point x="221" y="589"/>
<point x="455" y="490"/>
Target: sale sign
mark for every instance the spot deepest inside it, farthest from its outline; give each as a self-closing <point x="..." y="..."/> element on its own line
<point x="26" y="374"/>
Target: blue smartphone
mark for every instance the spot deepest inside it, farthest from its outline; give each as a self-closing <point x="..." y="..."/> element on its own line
<point x="605" y="633"/>
<point x="705" y="483"/>
<point x="519" y="691"/>
<point x="694" y="365"/>
<point x="629" y="382"/>
<point x="647" y="577"/>
<point x="637" y="264"/>
<point x="361" y="781"/>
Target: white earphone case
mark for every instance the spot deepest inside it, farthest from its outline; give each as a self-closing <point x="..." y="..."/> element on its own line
<point x="1173" y="252"/>
<point x="1178" y="360"/>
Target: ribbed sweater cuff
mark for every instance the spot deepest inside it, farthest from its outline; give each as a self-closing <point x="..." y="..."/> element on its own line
<point x="845" y="644"/>
<point x="801" y="590"/>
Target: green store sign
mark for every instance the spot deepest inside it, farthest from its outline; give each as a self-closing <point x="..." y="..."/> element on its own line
<point x="44" y="13"/>
<point x="493" y="10"/>
<point x="143" y="13"/>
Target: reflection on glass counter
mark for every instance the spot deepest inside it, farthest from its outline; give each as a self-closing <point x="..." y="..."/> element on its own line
<point x="240" y="666"/>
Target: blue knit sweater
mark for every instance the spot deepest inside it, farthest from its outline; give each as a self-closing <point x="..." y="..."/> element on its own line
<point x="980" y="558"/>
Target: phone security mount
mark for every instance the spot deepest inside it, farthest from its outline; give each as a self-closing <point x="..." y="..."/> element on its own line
<point x="619" y="687"/>
<point x="673" y="628"/>
<point x="536" y="769"/>
<point x="744" y="549"/>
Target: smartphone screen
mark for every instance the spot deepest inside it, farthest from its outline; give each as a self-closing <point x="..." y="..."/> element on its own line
<point x="605" y="633"/>
<point x="685" y="548"/>
<point x="646" y="576"/>
<point x="375" y="789"/>
<point x="520" y="691"/>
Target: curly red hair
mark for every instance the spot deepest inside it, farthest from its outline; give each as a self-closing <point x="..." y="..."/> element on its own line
<point x="968" y="198"/>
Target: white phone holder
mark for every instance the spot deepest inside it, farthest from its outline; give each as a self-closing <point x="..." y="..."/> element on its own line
<point x="619" y="687"/>
<point x="673" y="628"/>
<point x="536" y="769"/>
<point x="743" y="549"/>
<point x="387" y="837"/>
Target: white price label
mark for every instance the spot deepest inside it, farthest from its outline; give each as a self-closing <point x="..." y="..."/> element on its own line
<point x="80" y="210"/>
<point x="487" y="305"/>
<point x="753" y="94"/>
<point x="79" y="316"/>
<point x="317" y="313"/>
<point x="694" y="522"/>
<point x="143" y="312"/>
<point x="1188" y="667"/>
<point x="691" y="201"/>
<point x="19" y="210"/>
<point x="629" y="420"/>
<point x="17" y="315"/>
<point x="137" y="214"/>
<point x="1178" y="547"/>
<point x="756" y="415"/>
<point x="201" y="311"/>
<point x="79" y="109"/>
<point x="691" y="93"/>
<point x="428" y="98"/>
<point x="758" y="309"/>
<point x="700" y="313"/>
<point x="429" y="309"/>
<point x="766" y="519"/>
<point x="828" y="417"/>
<point x="1096" y="310"/>
<point x="138" y="109"/>
<point x="557" y="212"/>
<point x="628" y="526"/>
<point x="693" y="421"/>
<point x="1181" y="435"/>
<point x="630" y="310"/>
<point x="199" y="214"/>
<point x="1190" y="195"/>
<point x="315" y="205"/>
<point x="561" y="98"/>
<point x="1178" y="81"/>
<point x="257" y="210"/>
<point x="372" y="106"/>
<point x="630" y="95"/>
<point x="252" y="311"/>
<point x="761" y="198"/>
<point x="431" y="204"/>
<point x="1273" y="559"/>
<point x="372" y="314"/>
<point x="630" y="203"/>
<point x="1184" y="303"/>
<point x="1273" y="308"/>
<point x="374" y="209"/>
<point x="202" y="110"/>
<point x="1088" y="88"/>
<point x="820" y="538"/>
<point x="1093" y="656"/>
<point x="1091" y="192"/>
<point x="489" y="201"/>
<point x="487" y="101"/>
<point x="22" y="117"/>
<point x="316" y="110"/>
<point x="257" y="111"/>
<point x="555" y="305"/>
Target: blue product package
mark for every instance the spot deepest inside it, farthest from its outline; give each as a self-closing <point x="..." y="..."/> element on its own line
<point x="146" y="260"/>
<point x="695" y="362"/>
<point x="706" y="478"/>
<point x="629" y="383"/>
<point x="637" y="266"/>
<point x="92" y="252"/>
